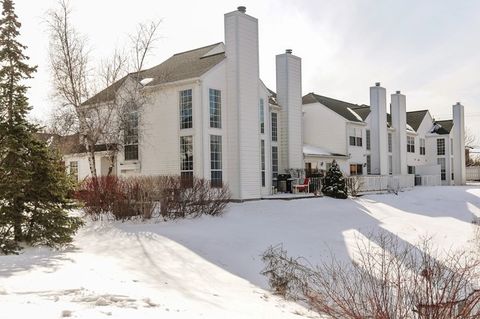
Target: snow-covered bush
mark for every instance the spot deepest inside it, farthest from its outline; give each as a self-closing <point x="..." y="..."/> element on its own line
<point x="334" y="182"/>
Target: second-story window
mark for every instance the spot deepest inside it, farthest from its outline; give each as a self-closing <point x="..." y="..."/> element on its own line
<point x="422" y="146"/>
<point x="130" y="147"/>
<point x="367" y="138"/>
<point x="355" y="137"/>
<point x="261" y="111"/>
<point x="440" y="146"/>
<point x="215" y="108"/>
<point x="274" y="127"/>
<point x="186" y="115"/>
<point x="410" y="144"/>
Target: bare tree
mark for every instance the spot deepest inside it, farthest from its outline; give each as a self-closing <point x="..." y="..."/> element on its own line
<point x="470" y="138"/>
<point x="98" y="120"/>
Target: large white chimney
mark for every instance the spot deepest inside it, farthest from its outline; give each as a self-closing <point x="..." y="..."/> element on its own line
<point x="459" y="174"/>
<point x="241" y="49"/>
<point x="398" y="110"/>
<point x="378" y="130"/>
<point x="289" y="97"/>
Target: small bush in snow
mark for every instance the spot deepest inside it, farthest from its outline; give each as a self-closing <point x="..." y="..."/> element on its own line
<point x="387" y="279"/>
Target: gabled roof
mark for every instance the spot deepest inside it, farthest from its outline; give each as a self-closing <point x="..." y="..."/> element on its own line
<point x="344" y="109"/>
<point x="415" y="118"/>
<point x="442" y="127"/>
<point x="181" y="66"/>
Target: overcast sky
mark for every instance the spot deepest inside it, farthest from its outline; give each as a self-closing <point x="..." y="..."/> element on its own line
<point x="430" y="50"/>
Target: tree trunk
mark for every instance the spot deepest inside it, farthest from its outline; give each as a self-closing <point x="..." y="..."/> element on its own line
<point x="17" y="221"/>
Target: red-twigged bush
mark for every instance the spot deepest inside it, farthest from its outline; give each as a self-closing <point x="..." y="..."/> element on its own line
<point x="166" y="197"/>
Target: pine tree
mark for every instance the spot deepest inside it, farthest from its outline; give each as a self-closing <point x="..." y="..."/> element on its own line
<point x="33" y="188"/>
<point x="335" y="185"/>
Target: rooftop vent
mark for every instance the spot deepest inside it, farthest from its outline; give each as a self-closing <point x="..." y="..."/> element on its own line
<point x="398" y="92"/>
<point x="288" y="51"/>
<point x="458" y="103"/>
<point x="242" y="9"/>
<point x="377" y="84"/>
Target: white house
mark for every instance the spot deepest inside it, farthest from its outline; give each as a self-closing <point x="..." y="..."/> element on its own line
<point x="208" y="114"/>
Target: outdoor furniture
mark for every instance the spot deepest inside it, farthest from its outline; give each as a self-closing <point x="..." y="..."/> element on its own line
<point x="305" y="187"/>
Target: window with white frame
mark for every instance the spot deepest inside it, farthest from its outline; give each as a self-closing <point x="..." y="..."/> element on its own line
<point x="440" y="146"/>
<point x="356" y="169"/>
<point x="369" y="164"/>
<point x="186" y="115"/>
<point x="274" y="161"/>
<point x="186" y="160"/>
<point x="410" y="144"/>
<point x="274" y="127"/>
<point x="261" y="110"/>
<point x="390" y="142"/>
<point x="367" y="139"/>
<point x="215" y="108"/>
<point x="216" y="161"/>
<point x="355" y="136"/>
<point x="422" y="146"/>
<point x="262" y="159"/>
<point x="390" y="164"/>
<point x="130" y="147"/>
<point x="443" y="172"/>
<point x="73" y="170"/>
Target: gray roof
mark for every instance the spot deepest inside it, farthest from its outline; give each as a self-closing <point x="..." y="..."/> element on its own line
<point x="443" y="127"/>
<point x="181" y="66"/>
<point x="339" y="107"/>
<point x="415" y="118"/>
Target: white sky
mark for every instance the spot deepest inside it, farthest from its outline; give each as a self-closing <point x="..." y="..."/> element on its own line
<point x="427" y="49"/>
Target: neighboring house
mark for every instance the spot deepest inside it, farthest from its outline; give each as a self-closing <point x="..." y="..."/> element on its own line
<point x="209" y="115"/>
<point x="366" y="140"/>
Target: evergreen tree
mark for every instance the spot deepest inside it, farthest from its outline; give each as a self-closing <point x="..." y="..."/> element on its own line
<point x="335" y="185"/>
<point x="33" y="187"/>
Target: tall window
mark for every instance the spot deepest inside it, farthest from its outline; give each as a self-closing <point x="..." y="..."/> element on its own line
<point x="261" y="110"/>
<point x="441" y="162"/>
<point x="274" y="161"/>
<point x="410" y="144"/>
<point x="390" y="164"/>
<point x="369" y="165"/>
<point x="274" y="127"/>
<point x="411" y="169"/>
<point x="422" y="146"/>
<point x="451" y="147"/>
<point x="390" y="142"/>
<point x="356" y="169"/>
<point x="216" y="160"/>
<point x="186" y="119"/>
<point x="367" y="138"/>
<point x="73" y="170"/>
<point x="262" y="150"/>
<point x="186" y="159"/>
<point x="130" y="147"/>
<point x="440" y="146"/>
<point x="215" y="108"/>
<point x="355" y="137"/>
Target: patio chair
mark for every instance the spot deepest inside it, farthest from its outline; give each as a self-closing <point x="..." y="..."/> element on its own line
<point x="305" y="187"/>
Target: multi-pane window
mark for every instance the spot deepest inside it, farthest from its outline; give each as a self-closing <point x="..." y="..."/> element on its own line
<point x="367" y="138"/>
<point x="130" y="147"/>
<point x="422" y="146"/>
<point x="261" y="110"/>
<point x="73" y="170"/>
<point x="356" y="169"/>
<point x="274" y="127"/>
<point x="274" y="161"/>
<point x="355" y="137"/>
<point x="262" y="151"/>
<point x="215" y="108"/>
<point x="410" y="144"/>
<point x="411" y="169"/>
<point x="443" y="172"/>
<point x="440" y="146"/>
<point x="186" y="115"/>
<point x="451" y="146"/>
<point x="186" y="159"/>
<point x="369" y="164"/>
<point x="390" y="142"/>
<point x="390" y="164"/>
<point x="216" y="160"/>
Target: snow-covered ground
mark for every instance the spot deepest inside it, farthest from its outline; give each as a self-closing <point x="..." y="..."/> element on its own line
<point x="210" y="267"/>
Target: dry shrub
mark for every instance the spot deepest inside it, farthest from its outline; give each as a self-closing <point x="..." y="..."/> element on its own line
<point x="388" y="280"/>
<point x="168" y="197"/>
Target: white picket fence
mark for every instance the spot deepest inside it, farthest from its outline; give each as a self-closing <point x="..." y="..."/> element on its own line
<point x="429" y="180"/>
<point x="473" y="173"/>
<point x="375" y="183"/>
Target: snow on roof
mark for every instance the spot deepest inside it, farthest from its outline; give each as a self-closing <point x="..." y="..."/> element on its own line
<point x="355" y="114"/>
<point x="145" y="81"/>
<point x="409" y="128"/>
<point x="475" y="150"/>
<point x="318" y="151"/>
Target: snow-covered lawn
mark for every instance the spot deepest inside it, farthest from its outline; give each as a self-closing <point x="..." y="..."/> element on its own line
<point x="210" y="267"/>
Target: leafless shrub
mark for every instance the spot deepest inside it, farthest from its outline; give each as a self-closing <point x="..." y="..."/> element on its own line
<point x="388" y="279"/>
<point x="354" y="185"/>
